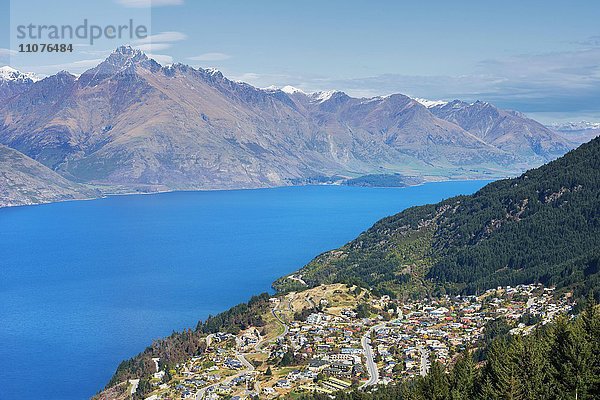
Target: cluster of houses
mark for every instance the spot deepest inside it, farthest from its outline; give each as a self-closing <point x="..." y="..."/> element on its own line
<point x="328" y="344"/>
<point x="325" y="352"/>
<point x="437" y="329"/>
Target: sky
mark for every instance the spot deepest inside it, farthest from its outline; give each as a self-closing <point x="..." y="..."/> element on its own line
<point x="538" y="57"/>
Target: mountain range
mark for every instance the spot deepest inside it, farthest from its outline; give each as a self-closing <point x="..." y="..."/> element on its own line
<point x="577" y="132"/>
<point x="130" y="124"/>
<point x="13" y="82"/>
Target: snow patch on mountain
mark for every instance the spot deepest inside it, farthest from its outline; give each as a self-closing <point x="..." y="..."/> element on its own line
<point x="291" y="90"/>
<point x="324" y="95"/>
<point x="213" y="71"/>
<point x="8" y="73"/>
<point x="271" y="88"/>
<point x="574" y="126"/>
<point x="430" y="103"/>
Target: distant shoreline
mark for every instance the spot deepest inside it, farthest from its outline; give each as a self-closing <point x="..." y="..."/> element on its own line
<point x="107" y="195"/>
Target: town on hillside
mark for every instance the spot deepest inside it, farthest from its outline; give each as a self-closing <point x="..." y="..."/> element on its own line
<point x="337" y="337"/>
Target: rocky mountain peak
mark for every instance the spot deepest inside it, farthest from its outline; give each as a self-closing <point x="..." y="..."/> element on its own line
<point x="214" y="72"/>
<point x="125" y="55"/>
<point x="483" y="105"/>
<point x="13" y="82"/>
<point x="123" y="60"/>
<point x="9" y="74"/>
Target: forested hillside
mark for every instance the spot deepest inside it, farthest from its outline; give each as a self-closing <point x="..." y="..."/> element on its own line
<point x="543" y="226"/>
<point x="558" y="361"/>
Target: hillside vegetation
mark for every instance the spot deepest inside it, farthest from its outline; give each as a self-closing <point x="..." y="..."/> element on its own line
<point x="181" y="345"/>
<point x="543" y="226"/>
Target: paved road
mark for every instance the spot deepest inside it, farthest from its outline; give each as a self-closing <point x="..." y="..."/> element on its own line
<point x="424" y="369"/>
<point x="285" y="327"/>
<point x="245" y="363"/>
<point x="241" y="356"/>
<point x="259" y="346"/>
<point x="297" y="279"/>
<point x="371" y="366"/>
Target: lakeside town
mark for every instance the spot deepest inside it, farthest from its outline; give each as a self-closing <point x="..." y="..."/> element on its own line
<point x="336" y="337"/>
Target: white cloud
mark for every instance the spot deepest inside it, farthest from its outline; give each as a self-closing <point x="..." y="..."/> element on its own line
<point x="162" y="59"/>
<point x="160" y="41"/>
<point x="150" y="47"/>
<point x="7" y="52"/>
<point x="148" y="3"/>
<point x="210" y="57"/>
<point x="169" y="36"/>
<point x="75" y="67"/>
<point x="593" y="41"/>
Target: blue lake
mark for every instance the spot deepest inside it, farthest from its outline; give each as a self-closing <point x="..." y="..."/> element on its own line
<point x="84" y="285"/>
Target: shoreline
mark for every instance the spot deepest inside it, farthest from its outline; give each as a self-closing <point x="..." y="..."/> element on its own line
<point x="107" y="195"/>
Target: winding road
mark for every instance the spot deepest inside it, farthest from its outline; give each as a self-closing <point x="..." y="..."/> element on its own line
<point x="371" y="365"/>
<point x="241" y="356"/>
<point x="281" y="321"/>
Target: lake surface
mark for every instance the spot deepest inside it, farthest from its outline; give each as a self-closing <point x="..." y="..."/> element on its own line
<point x="84" y="285"/>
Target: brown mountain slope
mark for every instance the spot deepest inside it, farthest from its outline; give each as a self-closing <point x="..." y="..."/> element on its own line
<point x="507" y="130"/>
<point x="25" y="181"/>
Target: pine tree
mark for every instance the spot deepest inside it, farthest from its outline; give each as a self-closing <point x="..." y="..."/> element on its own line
<point x="534" y="365"/>
<point x="571" y="358"/>
<point x="590" y="321"/>
<point x="487" y="390"/>
<point x="462" y="378"/>
<point x="435" y="385"/>
<point x="504" y="370"/>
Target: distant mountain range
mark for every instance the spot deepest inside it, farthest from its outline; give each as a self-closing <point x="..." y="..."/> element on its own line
<point x="130" y="124"/>
<point x="509" y="131"/>
<point x="577" y="132"/>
